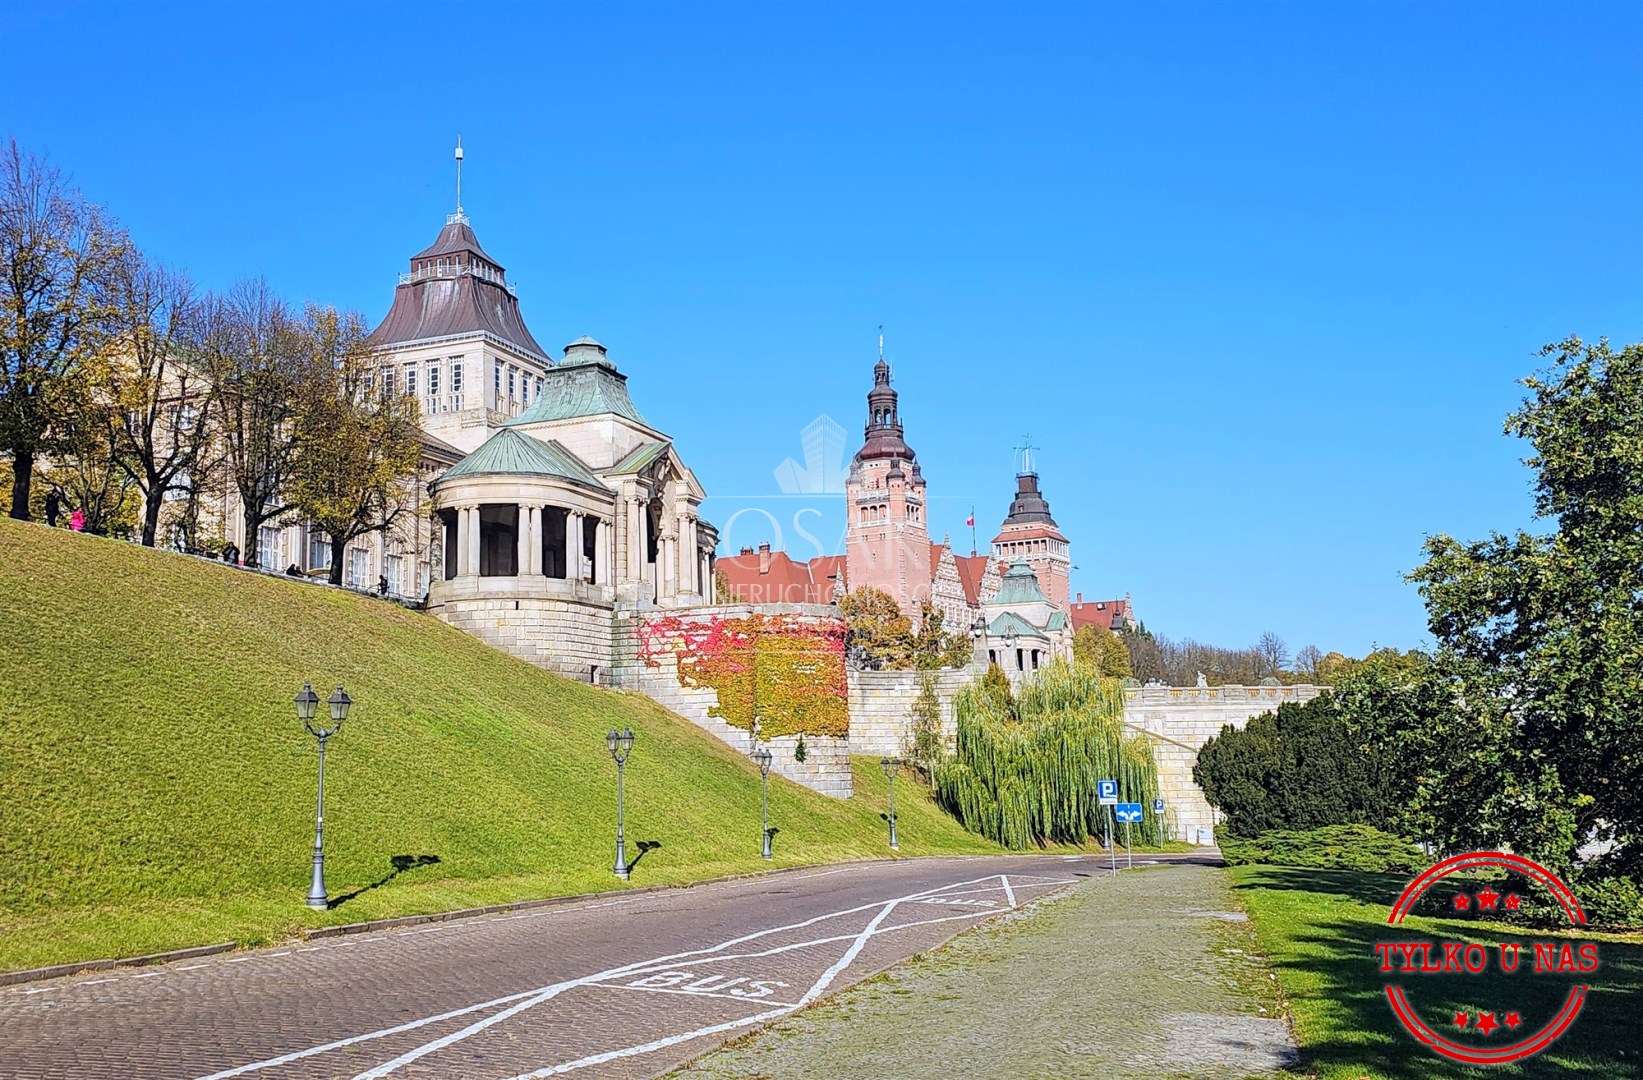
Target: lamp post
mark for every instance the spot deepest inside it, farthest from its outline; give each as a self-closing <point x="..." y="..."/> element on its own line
<point x="761" y="758"/>
<point x="891" y="766"/>
<point x="620" y="744"/>
<point x="307" y="703"/>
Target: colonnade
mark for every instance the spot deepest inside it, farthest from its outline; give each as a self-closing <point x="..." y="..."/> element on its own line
<point x="529" y="534"/>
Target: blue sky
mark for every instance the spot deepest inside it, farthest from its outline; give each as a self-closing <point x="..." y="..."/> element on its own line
<point x="1258" y="279"/>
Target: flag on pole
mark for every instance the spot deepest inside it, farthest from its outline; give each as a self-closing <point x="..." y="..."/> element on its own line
<point x="970" y="522"/>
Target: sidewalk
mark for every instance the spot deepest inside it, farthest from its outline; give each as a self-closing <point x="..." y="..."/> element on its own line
<point x="1145" y="975"/>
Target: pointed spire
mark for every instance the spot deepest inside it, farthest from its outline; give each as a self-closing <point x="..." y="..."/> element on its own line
<point x="459" y="216"/>
<point x="1024" y="456"/>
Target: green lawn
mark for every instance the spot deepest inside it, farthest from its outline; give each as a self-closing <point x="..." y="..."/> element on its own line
<point x="157" y="790"/>
<point x="1318" y="928"/>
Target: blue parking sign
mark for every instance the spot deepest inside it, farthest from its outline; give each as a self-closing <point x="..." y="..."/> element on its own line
<point x="1158" y="806"/>
<point x="1106" y="792"/>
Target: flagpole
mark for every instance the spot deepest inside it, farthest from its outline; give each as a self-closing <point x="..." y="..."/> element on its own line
<point x="972" y="531"/>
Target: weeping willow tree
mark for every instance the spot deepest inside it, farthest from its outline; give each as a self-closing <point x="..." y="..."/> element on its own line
<point x="1026" y="768"/>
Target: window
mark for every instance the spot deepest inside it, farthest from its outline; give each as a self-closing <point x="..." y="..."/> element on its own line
<point x="456" y="374"/>
<point x="410" y="379"/>
<point x="319" y="551"/>
<point x="356" y="566"/>
<point x="539" y="386"/>
<point x="496" y="371"/>
<point x="513" y="373"/>
<point x="433" y="380"/>
<point x="387" y="381"/>
<point x="268" y="547"/>
<point x="391" y="570"/>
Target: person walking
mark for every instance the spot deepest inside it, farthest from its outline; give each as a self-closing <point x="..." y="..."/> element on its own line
<point x="77" y="520"/>
<point x="54" y="506"/>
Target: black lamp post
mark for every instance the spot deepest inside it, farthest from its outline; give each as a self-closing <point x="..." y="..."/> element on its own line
<point x="620" y="744"/>
<point x="761" y="758"/>
<point x="307" y="703"/>
<point x="891" y="766"/>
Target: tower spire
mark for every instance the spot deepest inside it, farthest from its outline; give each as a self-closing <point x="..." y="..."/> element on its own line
<point x="1024" y="456"/>
<point x="459" y="216"/>
<point x="881" y="341"/>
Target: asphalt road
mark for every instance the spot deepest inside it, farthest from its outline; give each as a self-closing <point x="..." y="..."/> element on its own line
<point x="619" y="987"/>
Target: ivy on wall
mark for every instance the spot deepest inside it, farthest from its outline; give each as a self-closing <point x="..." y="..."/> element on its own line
<point x="785" y="670"/>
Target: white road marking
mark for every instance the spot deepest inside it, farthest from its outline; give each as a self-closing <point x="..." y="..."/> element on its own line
<point x="549" y="992"/>
<point x="192" y="967"/>
<point x="694" y="993"/>
<point x="40" y="990"/>
<point x="94" y="982"/>
<point x="1008" y="892"/>
<point x="711" y="954"/>
<point x="149" y="975"/>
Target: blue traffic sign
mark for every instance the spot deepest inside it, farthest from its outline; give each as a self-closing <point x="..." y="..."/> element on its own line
<point x="1158" y="806"/>
<point x="1129" y="811"/>
<point x="1106" y="792"/>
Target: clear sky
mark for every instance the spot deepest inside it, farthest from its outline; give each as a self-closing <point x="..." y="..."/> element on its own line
<point x="1258" y="279"/>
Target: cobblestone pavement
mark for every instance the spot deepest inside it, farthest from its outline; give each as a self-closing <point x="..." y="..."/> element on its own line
<point x="1144" y="975"/>
<point x="616" y="987"/>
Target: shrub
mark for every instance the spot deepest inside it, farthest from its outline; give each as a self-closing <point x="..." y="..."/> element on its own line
<point x="1333" y="847"/>
<point x="1298" y="768"/>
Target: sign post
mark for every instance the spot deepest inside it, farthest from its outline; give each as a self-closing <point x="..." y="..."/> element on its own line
<point x="1106" y="792"/>
<point x="1158" y="813"/>
<point x="1129" y="813"/>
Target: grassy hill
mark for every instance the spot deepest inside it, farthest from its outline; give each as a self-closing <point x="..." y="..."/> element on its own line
<point x="157" y="790"/>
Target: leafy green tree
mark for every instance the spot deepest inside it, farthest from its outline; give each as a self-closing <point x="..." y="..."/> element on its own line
<point x="926" y="749"/>
<point x="1542" y="634"/>
<point x="1103" y="650"/>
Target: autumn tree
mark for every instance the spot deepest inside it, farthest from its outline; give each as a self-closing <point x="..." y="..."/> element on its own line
<point x="83" y="461"/>
<point x="257" y="356"/>
<point x="880" y="635"/>
<point x="1103" y="650"/>
<point x="925" y="746"/>
<point x="356" y="449"/>
<point x="158" y="382"/>
<point x="55" y="249"/>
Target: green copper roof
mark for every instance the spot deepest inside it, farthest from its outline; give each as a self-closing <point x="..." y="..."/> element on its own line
<point x="1011" y="623"/>
<point x="1020" y="586"/>
<point x="638" y="458"/>
<point x="1058" y="619"/>
<point x="509" y="453"/>
<point x="584" y="383"/>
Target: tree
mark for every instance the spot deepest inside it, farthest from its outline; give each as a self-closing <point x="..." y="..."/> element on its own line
<point x="54" y="252"/>
<point x="933" y="647"/>
<point x="1102" y="649"/>
<point x="1297" y="768"/>
<point x="1273" y="654"/>
<point x="879" y="634"/>
<point x="158" y="383"/>
<point x="1306" y="660"/>
<point x="356" y="451"/>
<point x="255" y="355"/>
<point x="83" y="454"/>
<point x="925" y="746"/>
<point x="1542" y="634"/>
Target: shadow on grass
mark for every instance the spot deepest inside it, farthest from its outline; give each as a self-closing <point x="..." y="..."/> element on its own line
<point x="1349" y="1027"/>
<point x="398" y="864"/>
<point x="645" y="848"/>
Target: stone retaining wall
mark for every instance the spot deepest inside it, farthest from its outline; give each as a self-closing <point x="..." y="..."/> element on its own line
<point x="881" y="704"/>
<point x="1181" y="720"/>
<point x="567" y="636"/>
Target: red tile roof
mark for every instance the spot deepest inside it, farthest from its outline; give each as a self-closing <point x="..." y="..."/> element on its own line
<point x="1107" y="614"/>
<point x="971" y="569"/>
<point x="772" y="577"/>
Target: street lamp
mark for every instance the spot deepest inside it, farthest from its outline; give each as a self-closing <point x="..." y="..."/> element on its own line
<point x="620" y="744"/>
<point x="307" y="703"/>
<point x="891" y="766"/>
<point x="761" y="758"/>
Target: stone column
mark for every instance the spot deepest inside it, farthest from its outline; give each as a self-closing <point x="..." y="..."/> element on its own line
<point x="618" y="535"/>
<point x="523" y="532"/>
<point x="636" y="539"/>
<point x="470" y="540"/>
<point x="601" y="557"/>
<point x="533" y="565"/>
<point x="573" y="545"/>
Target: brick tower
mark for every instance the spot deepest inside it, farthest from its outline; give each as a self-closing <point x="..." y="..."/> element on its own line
<point x="1030" y="533"/>
<point x="887" y="541"/>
